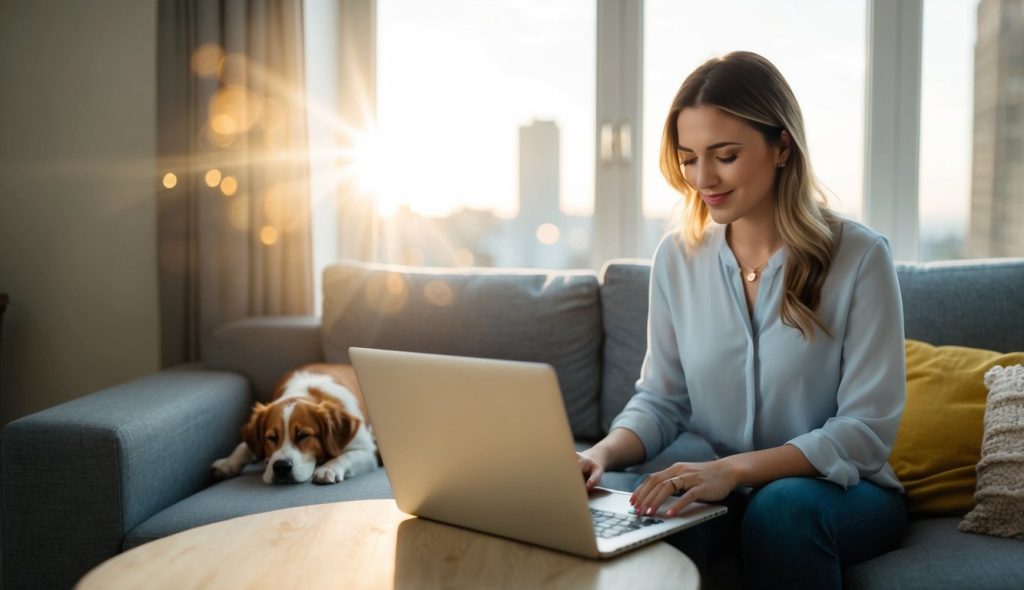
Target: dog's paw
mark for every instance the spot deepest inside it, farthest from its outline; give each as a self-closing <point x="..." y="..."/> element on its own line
<point x="225" y="468"/>
<point x="327" y="475"/>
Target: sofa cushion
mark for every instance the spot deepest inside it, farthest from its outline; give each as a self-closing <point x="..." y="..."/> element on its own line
<point x="935" y="453"/>
<point x="966" y="303"/>
<point x="247" y="494"/>
<point x="264" y="348"/>
<point x="552" y="317"/>
<point x="1000" y="504"/>
<point x="934" y="555"/>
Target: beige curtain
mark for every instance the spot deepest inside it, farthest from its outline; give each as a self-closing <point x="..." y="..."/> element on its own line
<point x="234" y="207"/>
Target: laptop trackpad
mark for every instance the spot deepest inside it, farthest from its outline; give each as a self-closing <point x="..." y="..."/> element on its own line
<point x="616" y="501"/>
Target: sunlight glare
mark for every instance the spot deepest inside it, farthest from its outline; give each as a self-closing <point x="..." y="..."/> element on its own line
<point x="368" y="163"/>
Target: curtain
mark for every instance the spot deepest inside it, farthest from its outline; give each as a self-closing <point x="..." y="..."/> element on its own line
<point x="234" y="205"/>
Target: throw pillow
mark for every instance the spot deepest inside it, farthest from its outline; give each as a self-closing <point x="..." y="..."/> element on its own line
<point x="938" y="443"/>
<point x="999" y="499"/>
<point x="525" y="315"/>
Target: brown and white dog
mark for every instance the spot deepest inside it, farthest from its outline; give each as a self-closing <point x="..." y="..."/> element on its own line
<point x="315" y="427"/>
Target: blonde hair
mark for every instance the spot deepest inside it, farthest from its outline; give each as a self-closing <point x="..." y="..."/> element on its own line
<point x="748" y="86"/>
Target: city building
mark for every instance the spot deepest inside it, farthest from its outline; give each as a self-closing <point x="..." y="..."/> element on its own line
<point x="997" y="184"/>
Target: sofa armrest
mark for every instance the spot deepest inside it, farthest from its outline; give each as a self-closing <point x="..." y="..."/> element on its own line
<point x="264" y="348"/>
<point x="78" y="476"/>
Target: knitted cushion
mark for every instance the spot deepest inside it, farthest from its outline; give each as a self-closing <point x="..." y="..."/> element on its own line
<point x="999" y="499"/>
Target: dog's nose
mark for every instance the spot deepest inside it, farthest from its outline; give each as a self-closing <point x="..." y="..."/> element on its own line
<point x="283" y="467"/>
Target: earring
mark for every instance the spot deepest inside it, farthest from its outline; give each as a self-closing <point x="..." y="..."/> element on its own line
<point x="780" y="165"/>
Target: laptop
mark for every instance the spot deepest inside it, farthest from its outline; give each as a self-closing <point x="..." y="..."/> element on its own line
<point x="485" y="445"/>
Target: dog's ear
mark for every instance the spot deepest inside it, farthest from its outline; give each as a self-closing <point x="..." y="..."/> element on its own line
<point x="252" y="432"/>
<point x="337" y="427"/>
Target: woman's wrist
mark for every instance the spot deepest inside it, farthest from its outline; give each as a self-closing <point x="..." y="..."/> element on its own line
<point x="736" y="469"/>
<point x="599" y="455"/>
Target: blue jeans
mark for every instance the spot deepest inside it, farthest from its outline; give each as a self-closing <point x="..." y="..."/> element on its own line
<point x="799" y="532"/>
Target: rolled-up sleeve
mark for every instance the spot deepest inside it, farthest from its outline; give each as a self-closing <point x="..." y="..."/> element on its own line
<point x="856" y="442"/>
<point x="660" y="409"/>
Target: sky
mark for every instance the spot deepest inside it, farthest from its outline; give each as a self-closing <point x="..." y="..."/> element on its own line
<point x="456" y="79"/>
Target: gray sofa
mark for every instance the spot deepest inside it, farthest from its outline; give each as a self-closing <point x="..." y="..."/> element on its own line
<point x="88" y="479"/>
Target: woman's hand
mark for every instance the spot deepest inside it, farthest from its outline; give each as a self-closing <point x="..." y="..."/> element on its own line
<point x="593" y="465"/>
<point x="710" y="482"/>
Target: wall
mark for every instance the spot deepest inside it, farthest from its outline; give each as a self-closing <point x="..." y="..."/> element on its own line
<point x="77" y="198"/>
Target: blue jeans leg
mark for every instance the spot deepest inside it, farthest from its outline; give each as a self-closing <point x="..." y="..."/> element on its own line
<point x="800" y="532"/>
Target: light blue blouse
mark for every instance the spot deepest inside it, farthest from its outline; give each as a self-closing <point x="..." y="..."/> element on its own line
<point x="747" y="384"/>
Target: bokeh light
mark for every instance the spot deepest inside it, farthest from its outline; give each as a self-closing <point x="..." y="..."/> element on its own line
<point x="228" y="185"/>
<point x="170" y="180"/>
<point x="224" y="124"/>
<point x="234" y="109"/>
<point x="212" y="177"/>
<point x="439" y="293"/>
<point x="268" y="235"/>
<point x="548" y="233"/>
<point x="387" y="293"/>
<point x="206" y="59"/>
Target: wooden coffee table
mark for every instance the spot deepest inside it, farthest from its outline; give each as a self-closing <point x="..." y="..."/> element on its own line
<point x="371" y="544"/>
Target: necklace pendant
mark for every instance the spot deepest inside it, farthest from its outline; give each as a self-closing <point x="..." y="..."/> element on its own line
<point x="751" y="277"/>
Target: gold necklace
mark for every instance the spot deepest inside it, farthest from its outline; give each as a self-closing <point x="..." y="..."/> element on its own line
<point x="754" y="273"/>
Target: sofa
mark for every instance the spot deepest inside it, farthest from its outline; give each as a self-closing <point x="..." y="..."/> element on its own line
<point x="110" y="471"/>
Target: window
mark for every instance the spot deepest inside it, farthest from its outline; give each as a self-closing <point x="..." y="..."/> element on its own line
<point x="485" y="131"/>
<point x="971" y="176"/>
<point x="485" y="149"/>
<point x="818" y="46"/>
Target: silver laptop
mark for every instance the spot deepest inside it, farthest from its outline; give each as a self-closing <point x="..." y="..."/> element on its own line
<point x="485" y="444"/>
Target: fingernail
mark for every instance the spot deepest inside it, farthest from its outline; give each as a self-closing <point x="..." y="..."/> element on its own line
<point x="670" y="512"/>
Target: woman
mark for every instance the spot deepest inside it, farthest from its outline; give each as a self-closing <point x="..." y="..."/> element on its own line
<point x="776" y="334"/>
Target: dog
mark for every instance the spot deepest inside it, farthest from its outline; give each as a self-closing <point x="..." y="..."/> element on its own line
<point x="315" y="428"/>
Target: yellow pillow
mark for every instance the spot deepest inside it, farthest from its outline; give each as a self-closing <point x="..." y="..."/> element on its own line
<point x="939" y="440"/>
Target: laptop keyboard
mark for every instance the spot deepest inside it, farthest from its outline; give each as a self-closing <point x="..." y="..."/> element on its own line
<point x="612" y="524"/>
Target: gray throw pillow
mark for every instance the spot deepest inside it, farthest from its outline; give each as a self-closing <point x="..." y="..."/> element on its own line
<point x="552" y="317"/>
